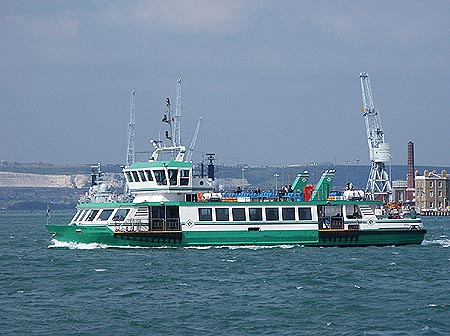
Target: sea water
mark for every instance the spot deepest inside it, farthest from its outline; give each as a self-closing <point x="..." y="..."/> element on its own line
<point x="48" y="288"/>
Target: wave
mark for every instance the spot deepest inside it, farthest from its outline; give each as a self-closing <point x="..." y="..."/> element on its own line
<point x="76" y="246"/>
<point x="92" y="246"/>
<point x="441" y="242"/>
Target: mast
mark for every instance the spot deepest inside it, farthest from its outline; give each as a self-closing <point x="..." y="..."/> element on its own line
<point x="177" y="118"/>
<point x="131" y="151"/>
<point x="378" y="184"/>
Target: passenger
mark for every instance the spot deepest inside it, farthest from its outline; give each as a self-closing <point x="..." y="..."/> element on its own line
<point x="413" y="213"/>
<point x="238" y="190"/>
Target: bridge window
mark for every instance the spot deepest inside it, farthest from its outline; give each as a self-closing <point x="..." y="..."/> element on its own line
<point x="205" y="214"/>
<point x="83" y="215"/>
<point x="255" y="214"/>
<point x="304" y="214"/>
<point x="129" y="177"/>
<point x="272" y="214"/>
<point x="160" y="177"/>
<point x="239" y="214"/>
<point x="76" y="216"/>
<point x="135" y="176"/>
<point x="173" y="174"/>
<point x="149" y="175"/>
<point x="120" y="215"/>
<point x="184" y="177"/>
<point x="142" y="175"/>
<point x="92" y="215"/>
<point x="288" y="213"/>
<point x="105" y="214"/>
<point x="222" y="214"/>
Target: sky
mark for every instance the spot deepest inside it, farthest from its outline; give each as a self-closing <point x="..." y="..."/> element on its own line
<point x="276" y="82"/>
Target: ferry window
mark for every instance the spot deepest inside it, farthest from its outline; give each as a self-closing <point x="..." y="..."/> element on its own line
<point x="135" y="176"/>
<point x="222" y="214"/>
<point x="173" y="173"/>
<point x="288" y="213"/>
<point x="440" y="184"/>
<point x="160" y="177"/>
<point x="92" y="215"/>
<point x="304" y="214"/>
<point x="255" y="214"/>
<point x="120" y="215"/>
<point x="149" y="175"/>
<point x="129" y="177"/>
<point x="158" y="212"/>
<point x="352" y="211"/>
<point x="83" y="214"/>
<point x="76" y="216"/>
<point x="331" y="210"/>
<point x="142" y="175"/>
<point x="172" y="212"/>
<point x="105" y="214"/>
<point x="239" y="214"/>
<point x="431" y="183"/>
<point x="184" y="178"/>
<point x="272" y="214"/>
<point x="205" y="214"/>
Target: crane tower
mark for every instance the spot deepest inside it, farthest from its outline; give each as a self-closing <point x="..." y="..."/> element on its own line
<point x="191" y="147"/>
<point x="378" y="184"/>
<point x="131" y="151"/>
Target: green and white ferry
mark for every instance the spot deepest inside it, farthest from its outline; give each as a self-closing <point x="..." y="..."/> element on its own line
<point x="167" y="205"/>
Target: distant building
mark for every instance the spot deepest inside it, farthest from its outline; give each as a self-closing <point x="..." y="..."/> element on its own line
<point x="399" y="191"/>
<point x="432" y="190"/>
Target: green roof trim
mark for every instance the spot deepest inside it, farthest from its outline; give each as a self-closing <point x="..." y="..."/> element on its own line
<point x="160" y="164"/>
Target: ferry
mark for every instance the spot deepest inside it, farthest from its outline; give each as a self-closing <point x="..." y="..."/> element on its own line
<point x="168" y="204"/>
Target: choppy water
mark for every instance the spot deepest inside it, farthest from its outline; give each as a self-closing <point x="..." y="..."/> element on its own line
<point x="48" y="289"/>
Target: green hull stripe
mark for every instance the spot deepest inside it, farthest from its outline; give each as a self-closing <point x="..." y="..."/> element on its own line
<point x="103" y="235"/>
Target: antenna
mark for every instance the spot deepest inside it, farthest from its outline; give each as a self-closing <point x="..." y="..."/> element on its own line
<point x="177" y="118"/>
<point x="131" y="152"/>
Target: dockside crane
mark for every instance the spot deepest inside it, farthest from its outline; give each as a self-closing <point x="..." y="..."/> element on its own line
<point x="131" y="151"/>
<point x="378" y="184"/>
<point x="191" y="147"/>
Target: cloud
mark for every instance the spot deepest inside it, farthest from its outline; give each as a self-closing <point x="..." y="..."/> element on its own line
<point x="214" y="16"/>
<point x="55" y="26"/>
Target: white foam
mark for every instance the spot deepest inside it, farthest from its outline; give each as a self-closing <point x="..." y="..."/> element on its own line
<point x="76" y="246"/>
<point x="441" y="242"/>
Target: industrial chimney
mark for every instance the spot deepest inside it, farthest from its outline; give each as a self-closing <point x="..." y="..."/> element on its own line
<point x="410" y="188"/>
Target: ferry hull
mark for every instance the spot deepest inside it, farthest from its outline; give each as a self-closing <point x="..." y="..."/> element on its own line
<point x="371" y="237"/>
<point x="104" y="236"/>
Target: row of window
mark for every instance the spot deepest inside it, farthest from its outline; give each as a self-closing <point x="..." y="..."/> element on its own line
<point x="431" y="184"/>
<point x="118" y="215"/>
<point x="160" y="176"/>
<point x="254" y="214"/>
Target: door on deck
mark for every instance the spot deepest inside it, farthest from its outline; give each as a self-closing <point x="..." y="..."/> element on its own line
<point x="330" y="217"/>
<point x="164" y="218"/>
